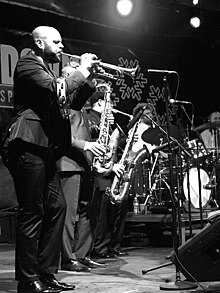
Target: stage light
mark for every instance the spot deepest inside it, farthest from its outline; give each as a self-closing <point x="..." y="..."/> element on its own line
<point x="195" y="2"/>
<point x="124" y="7"/>
<point x="195" y="22"/>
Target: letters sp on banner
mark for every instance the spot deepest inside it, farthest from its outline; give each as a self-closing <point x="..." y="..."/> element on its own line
<point x="6" y="96"/>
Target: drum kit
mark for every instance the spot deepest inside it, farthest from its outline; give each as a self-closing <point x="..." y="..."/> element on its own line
<point x="193" y="167"/>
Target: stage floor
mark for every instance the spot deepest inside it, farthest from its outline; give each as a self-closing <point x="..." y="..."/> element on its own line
<point x="122" y="275"/>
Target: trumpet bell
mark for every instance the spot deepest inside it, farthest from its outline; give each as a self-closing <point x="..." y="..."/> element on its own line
<point x="131" y="71"/>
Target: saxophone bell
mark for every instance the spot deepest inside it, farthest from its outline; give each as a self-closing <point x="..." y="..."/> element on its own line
<point x="119" y="190"/>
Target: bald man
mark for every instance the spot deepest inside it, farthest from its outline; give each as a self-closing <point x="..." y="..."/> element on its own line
<point x="37" y="137"/>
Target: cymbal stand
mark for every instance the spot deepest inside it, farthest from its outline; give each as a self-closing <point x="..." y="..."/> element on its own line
<point x="153" y="186"/>
<point x="178" y="284"/>
<point x="187" y="158"/>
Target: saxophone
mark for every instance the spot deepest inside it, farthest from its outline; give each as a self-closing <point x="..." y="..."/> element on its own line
<point x="120" y="185"/>
<point x="105" y="161"/>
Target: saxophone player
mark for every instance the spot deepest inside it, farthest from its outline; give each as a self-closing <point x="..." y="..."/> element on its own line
<point x="78" y="184"/>
<point x="144" y="124"/>
<point x="139" y="182"/>
<point x="111" y="221"/>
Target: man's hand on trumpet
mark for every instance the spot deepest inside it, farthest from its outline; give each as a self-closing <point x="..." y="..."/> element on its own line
<point x="89" y="61"/>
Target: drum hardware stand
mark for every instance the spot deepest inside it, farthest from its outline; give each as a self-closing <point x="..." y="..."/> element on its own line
<point x="199" y="182"/>
<point x="189" y="198"/>
<point x="178" y="284"/>
<point x="213" y="177"/>
<point x="152" y="187"/>
<point x="212" y="185"/>
<point x="193" y="128"/>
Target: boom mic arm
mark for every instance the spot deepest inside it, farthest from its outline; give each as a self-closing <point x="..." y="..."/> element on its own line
<point x="172" y="101"/>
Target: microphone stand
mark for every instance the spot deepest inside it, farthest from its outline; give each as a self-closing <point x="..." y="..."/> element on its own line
<point x="198" y="168"/>
<point x="178" y="284"/>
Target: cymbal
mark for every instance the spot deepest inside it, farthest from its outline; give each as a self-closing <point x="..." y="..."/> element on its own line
<point x="208" y="125"/>
<point x="155" y="136"/>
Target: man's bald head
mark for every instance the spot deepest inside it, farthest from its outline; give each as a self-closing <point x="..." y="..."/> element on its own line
<point x="47" y="43"/>
<point x="44" y="32"/>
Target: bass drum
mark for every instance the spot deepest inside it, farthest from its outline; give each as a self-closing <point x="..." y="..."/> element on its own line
<point x="194" y="186"/>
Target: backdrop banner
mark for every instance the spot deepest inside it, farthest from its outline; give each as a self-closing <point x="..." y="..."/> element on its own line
<point x="143" y="87"/>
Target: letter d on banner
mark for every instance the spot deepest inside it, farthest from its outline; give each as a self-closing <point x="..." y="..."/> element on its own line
<point x="9" y="58"/>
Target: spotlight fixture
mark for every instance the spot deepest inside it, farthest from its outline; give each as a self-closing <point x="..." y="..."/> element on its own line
<point x="195" y="22"/>
<point x="124" y="7"/>
<point x="195" y="2"/>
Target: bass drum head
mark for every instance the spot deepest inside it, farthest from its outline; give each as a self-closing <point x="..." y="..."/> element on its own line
<point x="194" y="187"/>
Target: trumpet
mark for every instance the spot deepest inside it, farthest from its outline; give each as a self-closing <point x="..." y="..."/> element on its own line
<point x="129" y="71"/>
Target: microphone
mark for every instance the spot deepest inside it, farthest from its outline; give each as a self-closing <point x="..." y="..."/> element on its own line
<point x="123" y="113"/>
<point x="172" y="101"/>
<point x="136" y="118"/>
<point x="160" y="71"/>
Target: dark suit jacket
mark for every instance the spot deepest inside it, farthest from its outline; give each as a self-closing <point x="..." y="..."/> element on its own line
<point x="77" y="159"/>
<point x="38" y="119"/>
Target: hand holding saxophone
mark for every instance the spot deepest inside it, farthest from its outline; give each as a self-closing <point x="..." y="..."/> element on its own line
<point x="95" y="147"/>
<point x="118" y="169"/>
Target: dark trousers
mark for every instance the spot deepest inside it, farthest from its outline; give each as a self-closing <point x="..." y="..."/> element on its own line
<point x="111" y="224"/>
<point x="71" y="183"/>
<point x="88" y="216"/>
<point x="41" y="214"/>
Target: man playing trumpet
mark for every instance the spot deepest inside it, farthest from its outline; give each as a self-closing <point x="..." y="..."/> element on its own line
<point x="37" y="136"/>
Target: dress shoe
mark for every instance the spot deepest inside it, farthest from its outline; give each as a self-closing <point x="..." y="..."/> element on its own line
<point x="104" y="255"/>
<point x="86" y="261"/>
<point x="36" y="287"/>
<point x="118" y="252"/>
<point x="74" y="266"/>
<point x="50" y="281"/>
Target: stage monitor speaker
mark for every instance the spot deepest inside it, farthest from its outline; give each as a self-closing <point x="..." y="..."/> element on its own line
<point x="199" y="257"/>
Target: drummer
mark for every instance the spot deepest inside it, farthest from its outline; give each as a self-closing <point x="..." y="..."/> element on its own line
<point x="144" y="124"/>
<point x="211" y="135"/>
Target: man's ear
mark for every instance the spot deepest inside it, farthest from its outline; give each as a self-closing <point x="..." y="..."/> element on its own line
<point x="39" y="43"/>
<point x="100" y="102"/>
